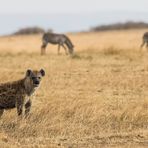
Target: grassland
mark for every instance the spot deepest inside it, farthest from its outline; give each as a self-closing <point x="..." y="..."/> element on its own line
<point x="97" y="98"/>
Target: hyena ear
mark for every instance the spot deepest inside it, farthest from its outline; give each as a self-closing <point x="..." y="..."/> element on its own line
<point x="28" y="73"/>
<point x="42" y="72"/>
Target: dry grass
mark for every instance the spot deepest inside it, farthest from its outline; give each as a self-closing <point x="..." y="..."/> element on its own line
<point x="97" y="98"/>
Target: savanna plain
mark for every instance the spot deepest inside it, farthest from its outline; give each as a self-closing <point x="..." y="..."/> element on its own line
<point x="96" y="98"/>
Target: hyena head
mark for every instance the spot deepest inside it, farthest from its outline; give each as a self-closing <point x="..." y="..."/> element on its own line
<point x="33" y="78"/>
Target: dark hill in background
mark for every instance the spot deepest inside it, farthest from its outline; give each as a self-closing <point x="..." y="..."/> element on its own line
<point x="121" y="26"/>
<point x="30" y="31"/>
<point x="115" y="26"/>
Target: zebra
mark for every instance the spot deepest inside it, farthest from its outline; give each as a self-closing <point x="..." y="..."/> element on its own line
<point x="145" y="40"/>
<point x="59" y="39"/>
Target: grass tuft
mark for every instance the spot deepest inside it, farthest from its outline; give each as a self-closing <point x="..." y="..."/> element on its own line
<point x="111" y="51"/>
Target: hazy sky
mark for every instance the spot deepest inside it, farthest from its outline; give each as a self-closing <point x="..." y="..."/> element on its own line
<point x="68" y="15"/>
<point x="74" y="6"/>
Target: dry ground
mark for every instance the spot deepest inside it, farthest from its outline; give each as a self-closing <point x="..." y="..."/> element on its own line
<point x="97" y="98"/>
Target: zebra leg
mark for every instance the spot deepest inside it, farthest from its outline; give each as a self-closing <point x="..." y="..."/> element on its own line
<point x="43" y="48"/>
<point x="143" y="43"/>
<point x="59" y="49"/>
<point x="65" y="49"/>
<point x="147" y="45"/>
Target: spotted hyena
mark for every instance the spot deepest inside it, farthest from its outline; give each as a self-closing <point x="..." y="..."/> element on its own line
<point x="17" y="94"/>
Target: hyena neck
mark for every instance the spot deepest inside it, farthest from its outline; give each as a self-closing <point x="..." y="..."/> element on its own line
<point x="29" y="89"/>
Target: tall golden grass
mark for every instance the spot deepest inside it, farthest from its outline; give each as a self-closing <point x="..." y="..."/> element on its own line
<point x="97" y="98"/>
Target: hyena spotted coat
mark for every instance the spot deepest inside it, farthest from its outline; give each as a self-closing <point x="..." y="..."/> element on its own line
<point x="17" y="94"/>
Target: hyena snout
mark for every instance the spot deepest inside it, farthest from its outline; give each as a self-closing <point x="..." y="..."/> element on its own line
<point x="36" y="82"/>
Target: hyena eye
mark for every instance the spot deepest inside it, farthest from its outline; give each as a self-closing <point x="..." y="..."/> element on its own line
<point x="39" y="77"/>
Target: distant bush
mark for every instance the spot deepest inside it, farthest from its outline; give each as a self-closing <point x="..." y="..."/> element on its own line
<point x="30" y="30"/>
<point x="120" y="26"/>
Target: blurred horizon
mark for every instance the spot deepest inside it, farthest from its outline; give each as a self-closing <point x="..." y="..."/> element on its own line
<point x="67" y="22"/>
<point x="69" y="16"/>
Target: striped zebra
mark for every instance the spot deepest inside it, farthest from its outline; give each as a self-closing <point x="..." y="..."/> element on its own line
<point x="59" y="39"/>
<point x="145" y="40"/>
